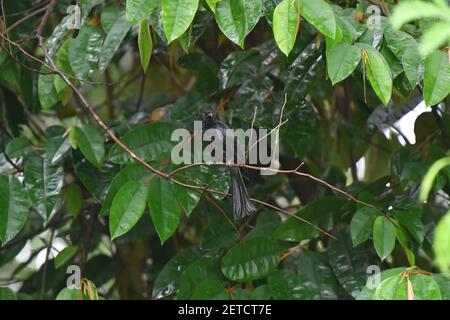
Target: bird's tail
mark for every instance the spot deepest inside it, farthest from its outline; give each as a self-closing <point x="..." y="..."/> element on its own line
<point x="242" y="205"/>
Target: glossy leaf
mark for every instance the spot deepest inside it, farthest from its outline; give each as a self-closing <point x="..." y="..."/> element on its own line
<point x="73" y="199"/>
<point x="211" y="289"/>
<point x="65" y="255"/>
<point x="167" y="280"/>
<point x="48" y="96"/>
<point x="133" y="172"/>
<point x="199" y="270"/>
<point x="383" y="236"/>
<point x="320" y="15"/>
<point x="342" y="60"/>
<point x="286" y="22"/>
<point x="251" y="260"/>
<point x="177" y="15"/>
<point x="236" y="18"/>
<point x="436" y="83"/>
<point x="113" y="40"/>
<point x="145" y="44"/>
<point x="90" y="141"/>
<point x="396" y="288"/>
<point x="350" y="263"/>
<point x="14" y="207"/>
<point x="57" y="149"/>
<point x="165" y="212"/>
<point x="44" y="182"/>
<point x="139" y="10"/>
<point x="370" y="287"/>
<point x="320" y="213"/>
<point x="150" y="142"/>
<point x="362" y="224"/>
<point x="109" y="16"/>
<point x="413" y="65"/>
<point x="69" y="294"/>
<point x="378" y="73"/>
<point x="316" y="277"/>
<point x="84" y="51"/>
<point x="127" y="208"/>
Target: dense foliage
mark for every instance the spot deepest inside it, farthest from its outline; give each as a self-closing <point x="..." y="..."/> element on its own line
<point x="77" y="189"/>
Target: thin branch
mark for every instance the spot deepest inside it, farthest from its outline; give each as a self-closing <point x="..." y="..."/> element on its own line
<point x="44" y="271"/>
<point x="23" y="20"/>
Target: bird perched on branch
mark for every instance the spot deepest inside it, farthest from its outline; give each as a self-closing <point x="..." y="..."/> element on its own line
<point x="242" y="205"/>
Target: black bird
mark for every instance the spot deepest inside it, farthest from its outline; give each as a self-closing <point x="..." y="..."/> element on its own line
<point x="242" y="205"/>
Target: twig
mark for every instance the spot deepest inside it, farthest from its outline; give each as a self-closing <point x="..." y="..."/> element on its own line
<point x="23" y="19"/>
<point x="44" y="270"/>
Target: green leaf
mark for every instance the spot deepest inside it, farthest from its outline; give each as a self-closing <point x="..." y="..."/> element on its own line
<point x="195" y="273"/>
<point x="316" y="277"/>
<point x="413" y="66"/>
<point x="48" y="96"/>
<point x="368" y="291"/>
<point x="286" y="22"/>
<point x="212" y="4"/>
<point x="44" y="182"/>
<point x="113" y="40"/>
<point x="251" y="260"/>
<point x="133" y="172"/>
<point x="441" y="243"/>
<point x="238" y="66"/>
<point x="378" y="72"/>
<point x="7" y="294"/>
<point x="395" y="288"/>
<point x="284" y="285"/>
<point x="320" y="213"/>
<point x="362" y="224"/>
<point x="65" y="255"/>
<point x="14" y="205"/>
<point x="436" y="82"/>
<point x="139" y="10"/>
<point x="150" y="142"/>
<point x="443" y="283"/>
<point x="127" y="208"/>
<point x="167" y="280"/>
<point x="230" y="17"/>
<point x="84" y="51"/>
<point x="177" y="15"/>
<point x="109" y="16"/>
<point x="145" y="44"/>
<point x="69" y="294"/>
<point x="236" y="18"/>
<point x="350" y="263"/>
<point x="90" y="141"/>
<point x="165" y="212"/>
<point x="342" y="59"/>
<point x="103" y="177"/>
<point x="383" y="237"/>
<point x="397" y="41"/>
<point x="57" y="148"/>
<point x="411" y="221"/>
<point x="63" y="64"/>
<point x="392" y="288"/>
<point x="315" y="280"/>
<point x="73" y="198"/>
<point x="320" y="15"/>
<point x="210" y="289"/>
